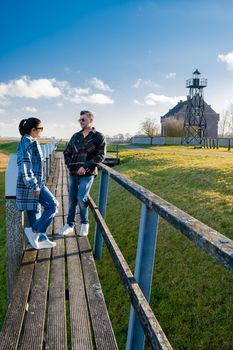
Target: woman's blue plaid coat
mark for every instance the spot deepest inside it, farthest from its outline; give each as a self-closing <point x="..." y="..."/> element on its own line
<point x="30" y="173"/>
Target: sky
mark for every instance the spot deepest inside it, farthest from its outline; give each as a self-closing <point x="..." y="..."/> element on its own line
<point x="123" y="60"/>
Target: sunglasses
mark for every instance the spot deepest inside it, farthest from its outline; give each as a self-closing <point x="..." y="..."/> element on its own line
<point x="82" y="120"/>
<point x="41" y="128"/>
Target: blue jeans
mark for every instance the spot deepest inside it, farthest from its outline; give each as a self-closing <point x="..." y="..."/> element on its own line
<point x="79" y="188"/>
<point x="38" y="222"/>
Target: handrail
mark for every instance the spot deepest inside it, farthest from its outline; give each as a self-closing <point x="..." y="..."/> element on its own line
<point x="211" y="241"/>
<point x="150" y="324"/>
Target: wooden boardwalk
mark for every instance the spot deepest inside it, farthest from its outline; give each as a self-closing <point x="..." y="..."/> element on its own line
<point x="58" y="302"/>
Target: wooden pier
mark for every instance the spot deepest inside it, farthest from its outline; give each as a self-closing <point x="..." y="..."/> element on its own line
<point x="57" y="301"/>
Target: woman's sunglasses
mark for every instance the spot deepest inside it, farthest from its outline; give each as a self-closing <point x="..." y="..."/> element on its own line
<point x="41" y="128"/>
<point x="82" y="120"/>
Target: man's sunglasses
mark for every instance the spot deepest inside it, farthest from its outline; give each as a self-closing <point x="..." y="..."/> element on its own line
<point x="82" y="120"/>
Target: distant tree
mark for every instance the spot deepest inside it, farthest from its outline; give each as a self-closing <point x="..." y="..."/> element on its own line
<point x="223" y="125"/>
<point x="127" y="136"/>
<point x="173" y="127"/>
<point x="149" y="128"/>
<point x="226" y="122"/>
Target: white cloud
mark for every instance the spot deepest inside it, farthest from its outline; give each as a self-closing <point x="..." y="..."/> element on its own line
<point x="151" y="113"/>
<point x="99" y="84"/>
<point x="153" y="99"/>
<point x="25" y="87"/>
<point x="227" y="59"/>
<point x="140" y="83"/>
<point x="38" y="88"/>
<point x="30" y="109"/>
<point x="4" y="102"/>
<point x="92" y="99"/>
<point x="170" y="76"/>
<point x="81" y="91"/>
<point x="2" y="111"/>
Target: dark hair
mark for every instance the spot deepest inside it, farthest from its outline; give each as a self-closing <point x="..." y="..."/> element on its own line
<point x="89" y="114"/>
<point x="26" y="125"/>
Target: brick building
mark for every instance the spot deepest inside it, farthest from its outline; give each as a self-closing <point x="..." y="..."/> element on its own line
<point x="179" y="111"/>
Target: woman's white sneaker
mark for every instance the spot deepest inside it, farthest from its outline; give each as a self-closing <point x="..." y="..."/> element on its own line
<point x="66" y="229"/>
<point x="84" y="230"/>
<point x="31" y="237"/>
<point x="46" y="244"/>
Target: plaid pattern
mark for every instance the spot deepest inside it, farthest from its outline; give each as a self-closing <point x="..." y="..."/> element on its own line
<point x="85" y="152"/>
<point x="30" y="173"/>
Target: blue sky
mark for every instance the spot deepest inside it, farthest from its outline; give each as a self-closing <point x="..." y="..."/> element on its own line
<point x="123" y="60"/>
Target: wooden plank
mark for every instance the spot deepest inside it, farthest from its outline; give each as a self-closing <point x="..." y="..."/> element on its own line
<point x="56" y="337"/>
<point x="10" y="333"/>
<point x="151" y="326"/>
<point x="79" y="317"/>
<point x="209" y="240"/>
<point x="101" y="324"/>
<point x="34" y="322"/>
<point x="33" y="333"/>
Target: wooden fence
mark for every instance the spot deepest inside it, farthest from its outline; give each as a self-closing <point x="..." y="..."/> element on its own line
<point x="138" y="286"/>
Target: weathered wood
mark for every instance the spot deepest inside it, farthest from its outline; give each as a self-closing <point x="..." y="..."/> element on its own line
<point x="15" y="243"/>
<point x="211" y="241"/>
<point x="102" y="328"/>
<point x="56" y="337"/>
<point x="33" y="333"/>
<point x="152" y="328"/>
<point x="10" y="333"/>
<point x="81" y="337"/>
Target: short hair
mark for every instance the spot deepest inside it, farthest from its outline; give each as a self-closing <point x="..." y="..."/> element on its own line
<point x="88" y="114"/>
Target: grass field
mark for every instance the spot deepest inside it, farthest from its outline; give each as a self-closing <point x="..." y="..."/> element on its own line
<point x="192" y="295"/>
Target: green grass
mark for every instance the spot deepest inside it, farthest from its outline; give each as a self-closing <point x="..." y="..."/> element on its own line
<point x="8" y="147"/>
<point x="192" y="295"/>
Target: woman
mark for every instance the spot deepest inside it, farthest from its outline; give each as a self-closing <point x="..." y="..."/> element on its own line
<point x="31" y="191"/>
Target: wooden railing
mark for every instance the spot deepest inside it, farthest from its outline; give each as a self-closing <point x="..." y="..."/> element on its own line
<point x="138" y="286"/>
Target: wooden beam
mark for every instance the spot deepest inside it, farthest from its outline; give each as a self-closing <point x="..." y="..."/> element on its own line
<point x="152" y="328"/>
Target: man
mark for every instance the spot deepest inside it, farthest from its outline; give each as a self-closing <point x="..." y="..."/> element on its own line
<point x="84" y="151"/>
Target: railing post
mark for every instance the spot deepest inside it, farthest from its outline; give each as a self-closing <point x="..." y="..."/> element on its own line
<point x="103" y="193"/>
<point x="43" y="149"/>
<point x="117" y="151"/>
<point x="14" y="226"/>
<point x="50" y="157"/>
<point x="143" y="271"/>
<point x="47" y="161"/>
